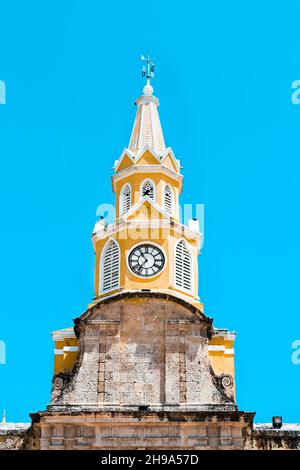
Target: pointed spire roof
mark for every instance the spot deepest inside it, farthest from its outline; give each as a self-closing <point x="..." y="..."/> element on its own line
<point x="147" y="144"/>
<point x="147" y="129"/>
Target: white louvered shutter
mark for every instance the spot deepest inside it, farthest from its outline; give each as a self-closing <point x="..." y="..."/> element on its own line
<point x="183" y="267"/>
<point x="168" y="200"/>
<point x="148" y="190"/>
<point x="111" y="267"/>
<point x="125" y="202"/>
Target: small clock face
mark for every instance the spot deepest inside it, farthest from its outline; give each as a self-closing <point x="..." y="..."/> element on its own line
<point x="146" y="260"/>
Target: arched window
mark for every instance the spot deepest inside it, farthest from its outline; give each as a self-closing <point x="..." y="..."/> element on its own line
<point x="183" y="266"/>
<point x="168" y="199"/>
<point x="147" y="189"/>
<point x="125" y="199"/>
<point x="110" y="267"/>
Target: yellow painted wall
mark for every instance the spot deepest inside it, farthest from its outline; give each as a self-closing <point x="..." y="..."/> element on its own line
<point x="135" y="180"/>
<point x="64" y="362"/>
<point x="165" y="238"/>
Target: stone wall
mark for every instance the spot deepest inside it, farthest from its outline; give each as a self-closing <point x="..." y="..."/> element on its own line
<point x="139" y="430"/>
<point x="144" y="430"/>
<point x="142" y="351"/>
<point x="265" y="437"/>
<point x="15" y="436"/>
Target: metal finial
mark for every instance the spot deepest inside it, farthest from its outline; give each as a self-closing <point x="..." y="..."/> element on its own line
<point x="148" y="72"/>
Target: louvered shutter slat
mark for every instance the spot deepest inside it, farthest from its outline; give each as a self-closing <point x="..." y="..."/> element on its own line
<point x="125" y="202"/>
<point x="183" y="266"/>
<point x="168" y="200"/>
<point x="111" y="267"/>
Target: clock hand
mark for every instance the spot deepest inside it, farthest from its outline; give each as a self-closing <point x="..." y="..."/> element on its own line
<point x="141" y="265"/>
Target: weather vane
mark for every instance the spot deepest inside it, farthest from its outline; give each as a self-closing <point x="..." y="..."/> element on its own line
<point x="148" y="70"/>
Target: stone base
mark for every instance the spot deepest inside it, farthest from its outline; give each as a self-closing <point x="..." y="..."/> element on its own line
<point x="138" y="430"/>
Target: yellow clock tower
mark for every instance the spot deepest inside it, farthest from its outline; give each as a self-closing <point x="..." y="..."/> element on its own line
<point x="143" y="367"/>
<point x="147" y="247"/>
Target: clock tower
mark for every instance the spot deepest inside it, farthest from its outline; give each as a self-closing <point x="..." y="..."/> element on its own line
<point x="147" y="247"/>
<point x="144" y="367"/>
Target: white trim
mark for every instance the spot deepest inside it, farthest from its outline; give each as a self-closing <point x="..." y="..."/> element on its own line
<point x="71" y="349"/>
<point x="116" y="165"/>
<point x="230" y="336"/>
<point x="57" y="337"/>
<point x="135" y="158"/>
<point x="214" y="347"/>
<point x="134" y="169"/>
<point x="170" y="152"/>
<point x="144" y="150"/>
<point x="190" y="291"/>
<point x="58" y="352"/>
<point x="141" y="202"/>
<point x="221" y="348"/>
<point x="125" y="152"/>
<point x="141" y="243"/>
<point x="146" y="180"/>
<point x="101" y="270"/>
<point x="229" y="352"/>
<point x="63" y="334"/>
<point x="114" y="229"/>
<point x="152" y="119"/>
<point x="140" y="129"/>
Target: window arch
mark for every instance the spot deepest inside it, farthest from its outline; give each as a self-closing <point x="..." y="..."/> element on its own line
<point x="125" y="199"/>
<point x="168" y="199"/>
<point x="183" y="266"/>
<point x="148" y="189"/>
<point x="110" y="267"/>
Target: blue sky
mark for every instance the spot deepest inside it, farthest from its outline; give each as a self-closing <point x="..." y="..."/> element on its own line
<point x="224" y="75"/>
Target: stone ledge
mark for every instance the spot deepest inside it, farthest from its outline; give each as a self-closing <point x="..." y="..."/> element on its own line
<point x="11" y="429"/>
<point x="144" y="295"/>
<point x="147" y="416"/>
<point x="265" y="437"/>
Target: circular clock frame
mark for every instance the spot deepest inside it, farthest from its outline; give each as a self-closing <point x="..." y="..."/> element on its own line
<point x="146" y="260"/>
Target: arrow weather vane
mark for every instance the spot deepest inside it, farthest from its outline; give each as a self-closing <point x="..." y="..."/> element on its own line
<point x="147" y="70"/>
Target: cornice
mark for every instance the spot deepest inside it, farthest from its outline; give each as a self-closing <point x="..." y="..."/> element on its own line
<point x="146" y="169"/>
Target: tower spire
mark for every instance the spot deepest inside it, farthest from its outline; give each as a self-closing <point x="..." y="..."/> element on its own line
<point x="147" y="128"/>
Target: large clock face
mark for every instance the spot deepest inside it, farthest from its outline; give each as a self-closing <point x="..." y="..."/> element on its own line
<point x="146" y="260"/>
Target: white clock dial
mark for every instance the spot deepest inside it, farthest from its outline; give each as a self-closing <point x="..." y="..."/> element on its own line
<point x="146" y="260"/>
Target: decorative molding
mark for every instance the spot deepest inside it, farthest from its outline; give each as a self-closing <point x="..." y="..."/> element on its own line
<point x="134" y="169"/>
<point x="61" y="335"/>
<point x="58" y="352"/>
<point x="70" y="349"/>
<point x="229" y="352"/>
<point x="142" y="201"/>
<point x="221" y="348"/>
<point x="216" y="348"/>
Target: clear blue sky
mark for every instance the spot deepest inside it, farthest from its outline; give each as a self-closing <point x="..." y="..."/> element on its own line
<point x="224" y="74"/>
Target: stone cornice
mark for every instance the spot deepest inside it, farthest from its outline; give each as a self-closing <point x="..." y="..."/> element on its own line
<point x="213" y="415"/>
<point x="144" y="295"/>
